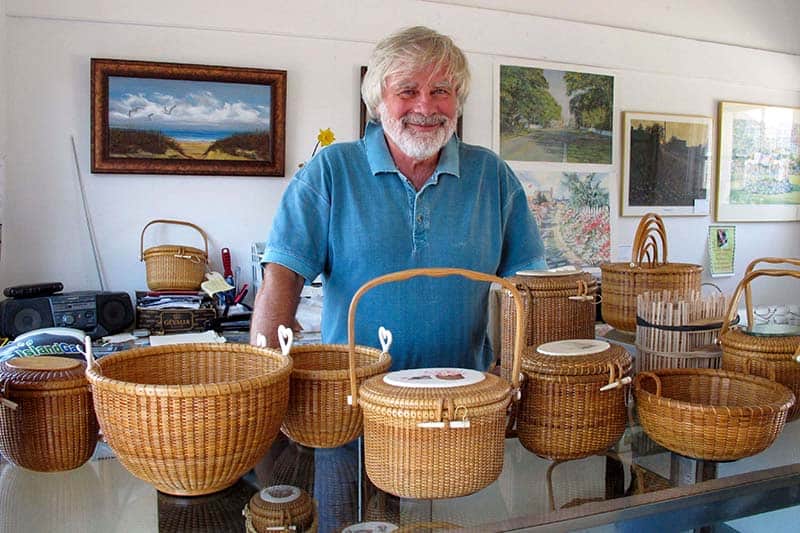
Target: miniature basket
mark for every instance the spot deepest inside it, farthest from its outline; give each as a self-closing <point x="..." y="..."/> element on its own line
<point x="573" y="398"/>
<point x="713" y="415"/>
<point x="774" y="356"/>
<point x="280" y="508"/>
<point x="440" y="439"/>
<point x="174" y="267"/>
<point x="558" y="305"/>
<point x="190" y="419"/>
<point x="47" y="420"/>
<point x="623" y="282"/>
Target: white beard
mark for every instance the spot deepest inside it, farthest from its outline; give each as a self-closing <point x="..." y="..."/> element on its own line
<point x="417" y="145"/>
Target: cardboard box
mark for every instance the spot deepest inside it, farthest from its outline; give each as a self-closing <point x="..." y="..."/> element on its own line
<point x="165" y="321"/>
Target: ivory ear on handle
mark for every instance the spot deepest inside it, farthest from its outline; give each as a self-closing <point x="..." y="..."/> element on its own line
<point x="285" y="338"/>
<point x="261" y="340"/>
<point x="616" y="384"/>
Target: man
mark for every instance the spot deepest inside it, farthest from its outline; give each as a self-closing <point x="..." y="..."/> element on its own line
<point x="407" y="195"/>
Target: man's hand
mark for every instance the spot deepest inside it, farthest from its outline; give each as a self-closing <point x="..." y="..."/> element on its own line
<point x="276" y="303"/>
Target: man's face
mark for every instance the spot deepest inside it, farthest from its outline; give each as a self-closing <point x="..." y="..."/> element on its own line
<point x="418" y="112"/>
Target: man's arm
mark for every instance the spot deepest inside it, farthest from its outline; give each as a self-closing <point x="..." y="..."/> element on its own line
<point x="275" y="303"/>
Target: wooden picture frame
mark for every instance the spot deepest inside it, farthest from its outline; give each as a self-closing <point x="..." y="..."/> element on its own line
<point x="666" y="165"/>
<point x="171" y="118"/>
<point x="758" y="163"/>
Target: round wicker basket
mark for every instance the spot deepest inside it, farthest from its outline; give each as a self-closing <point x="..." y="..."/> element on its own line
<point x="190" y="419"/>
<point x="573" y="405"/>
<point x="280" y="507"/>
<point x="171" y="267"/>
<point x="52" y="427"/>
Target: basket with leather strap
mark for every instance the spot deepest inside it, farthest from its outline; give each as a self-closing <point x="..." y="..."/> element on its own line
<point x="280" y="508"/>
<point x="770" y="350"/>
<point x="190" y="419"/>
<point x="709" y="414"/>
<point x="174" y="267"/>
<point x="47" y="420"/>
<point x="435" y="432"/>
<point x="558" y="305"/>
<point x="573" y="398"/>
<point x="647" y="271"/>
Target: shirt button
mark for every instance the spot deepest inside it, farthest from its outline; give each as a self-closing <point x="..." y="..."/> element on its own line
<point x="419" y="218"/>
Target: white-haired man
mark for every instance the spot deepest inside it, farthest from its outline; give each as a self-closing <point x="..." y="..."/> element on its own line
<point x="409" y="194"/>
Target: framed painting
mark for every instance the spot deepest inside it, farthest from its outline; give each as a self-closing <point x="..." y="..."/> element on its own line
<point x="666" y="164"/>
<point x="758" y="163"/>
<point x="170" y="118"/>
<point x="556" y="116"/>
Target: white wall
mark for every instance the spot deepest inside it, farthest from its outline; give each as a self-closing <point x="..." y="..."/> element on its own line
<point x="49" y="44"/>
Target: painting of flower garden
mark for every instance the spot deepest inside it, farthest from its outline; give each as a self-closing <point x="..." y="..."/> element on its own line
<point x="572" y="211"/>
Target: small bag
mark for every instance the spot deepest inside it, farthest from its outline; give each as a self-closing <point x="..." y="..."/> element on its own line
<point x="174" y="267"/>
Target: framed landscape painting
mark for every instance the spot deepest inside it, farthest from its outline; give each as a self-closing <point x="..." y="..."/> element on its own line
<point x="169" y="118"/>
<point x="758" y="177"/>
<point x="666" y="164"/>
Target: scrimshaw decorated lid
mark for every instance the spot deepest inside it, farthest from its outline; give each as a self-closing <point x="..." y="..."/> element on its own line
<point x="575" y="357"/>
<point x="44" y="372"/>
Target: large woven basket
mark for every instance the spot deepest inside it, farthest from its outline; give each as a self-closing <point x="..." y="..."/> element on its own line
<point x="421" y="441"/>
<point x="647" y="271"/>
<point x="558" y="305"/>
<point x="174" y="267"/>
<point x="573" y="405"/>
<point x="190" y="419"/>
<point x="47" y="420"/>
<point x="711" y="414"/>
<point x="772" y="355"/>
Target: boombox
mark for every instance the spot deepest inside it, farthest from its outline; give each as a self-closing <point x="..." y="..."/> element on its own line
<point x="96" y="313"/>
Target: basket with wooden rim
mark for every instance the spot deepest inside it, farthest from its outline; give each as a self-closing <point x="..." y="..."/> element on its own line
<point x="559" y="304"/>
<point x="648" y="270"/>
<point x="573" y="398"/>
<point x="767" y="350"/>
<point x="174" y="267"/>
<point x="47" y="420"/>
<point x="280" y="508"/>
<point x="435" y="432"/>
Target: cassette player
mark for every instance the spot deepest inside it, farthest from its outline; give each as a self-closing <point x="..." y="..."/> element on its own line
<point x="76" y="310"/>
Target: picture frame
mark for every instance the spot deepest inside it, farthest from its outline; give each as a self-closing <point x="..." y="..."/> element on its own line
<point x="666" y="164"/>
<point x="172" y="118"/>
<point x="758" y="163"/>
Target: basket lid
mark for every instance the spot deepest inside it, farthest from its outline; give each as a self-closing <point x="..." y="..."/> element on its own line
<point x="575" y="357"/>
<point x="172" y="249"/>
<point x="45" y="372"/>
<point x="371" y="527"/>
<point x="560" y="280"/>
<point x="273" y="505"/>
<point x="437" y="378"/>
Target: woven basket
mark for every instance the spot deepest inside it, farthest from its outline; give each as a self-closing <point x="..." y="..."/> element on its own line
<point x="573" y="406"/>
<point x="623" y="282"/>
<point x="53" y="426"/>
<point x="776" y="357"/>
<point x="173" y="267"/>
<point x="557" y="305"/>
<point x="280" y="508"/>
<point x="711" y="414"/>
<point x="421" y="441"/>
<point x="190" y="419"/>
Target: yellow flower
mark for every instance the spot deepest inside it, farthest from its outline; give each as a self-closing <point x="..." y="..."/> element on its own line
<point x="325" y="137"/>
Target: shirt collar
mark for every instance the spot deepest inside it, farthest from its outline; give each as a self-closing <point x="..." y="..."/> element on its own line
<point x="380" y="159"/>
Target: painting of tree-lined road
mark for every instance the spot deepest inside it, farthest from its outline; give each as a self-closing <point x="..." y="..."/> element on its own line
<point x="556" y="116"/>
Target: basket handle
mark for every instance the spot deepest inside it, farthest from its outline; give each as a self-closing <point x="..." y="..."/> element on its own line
<point x="5" y="402"/>
<point x="583" y="294"/>
<point x="649" y="233"/>
<point x="742" y="286"/>
<point x="519" y="335"/>
<point x="167" y="221"/>
<point x="748" y="297"/>
<point x="616" y="377"/>
<point x="91" y="362"/>
<point x="637" y="382"/>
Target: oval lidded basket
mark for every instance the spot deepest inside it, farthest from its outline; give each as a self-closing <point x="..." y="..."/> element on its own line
<point x="623" y="282"/>
<point x="435" y="432"/>
<point x="190" y="419"/>
<point x="174" y="267"/>
<point x="559" y="304"/>
<point x="47" y="420"/>
<point x="573" y="398"/>
<point x="280" y="508"/>
<point x="710" y="414"/>
<point x="771" y="351"/>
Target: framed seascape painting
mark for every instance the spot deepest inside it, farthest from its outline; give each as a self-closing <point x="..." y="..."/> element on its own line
<point x="666" y="164"/>
<point x="169" y="118"/>
<point x="758" y="175"/>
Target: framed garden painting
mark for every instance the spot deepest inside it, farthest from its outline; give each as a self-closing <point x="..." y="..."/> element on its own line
<point x="666" y="164"/>
<point x="170" y="118"/>
<point x="758" y="175"/>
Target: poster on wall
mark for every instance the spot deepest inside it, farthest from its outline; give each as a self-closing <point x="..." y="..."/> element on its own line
<point x="721" y="250"/>
<point x="553" y="115"/>
<point x="572" y="211"/>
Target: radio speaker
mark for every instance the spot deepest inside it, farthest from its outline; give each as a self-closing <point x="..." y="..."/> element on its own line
<point x="19" y="316"/>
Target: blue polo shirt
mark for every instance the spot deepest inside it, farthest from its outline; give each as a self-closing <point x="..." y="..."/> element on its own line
<point x="351" y="216"/>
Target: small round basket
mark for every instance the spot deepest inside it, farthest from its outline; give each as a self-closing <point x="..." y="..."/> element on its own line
<point x="173" y="267"/>
<point x="280" y="508"/>
<point x="436" y="432"/>
<point x="709" y="414"/>
<point x="573" y="398"/>
<point x="47" y="420"/>
<point x="190" y="419"/>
